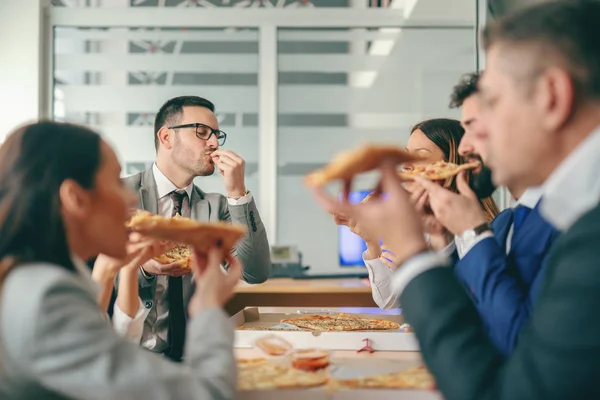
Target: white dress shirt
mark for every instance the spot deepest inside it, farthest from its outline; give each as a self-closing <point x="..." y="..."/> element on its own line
<point x="570" y="191"/>
<point x="380" y="276"/>
<point x="123" y="324"/>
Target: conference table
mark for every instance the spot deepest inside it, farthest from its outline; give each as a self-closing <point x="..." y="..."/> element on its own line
<point x="286" y="292"/>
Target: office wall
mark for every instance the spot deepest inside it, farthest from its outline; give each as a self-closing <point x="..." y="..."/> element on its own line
<point x="338" y="86"/>
<point x="20" y="61"/>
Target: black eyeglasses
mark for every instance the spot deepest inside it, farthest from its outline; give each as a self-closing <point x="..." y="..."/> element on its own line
<point x="204" y="132"/>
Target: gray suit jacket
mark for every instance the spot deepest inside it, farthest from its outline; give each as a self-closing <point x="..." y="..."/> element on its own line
<point x="56" y="344"/>
<point x="253" y="250"/>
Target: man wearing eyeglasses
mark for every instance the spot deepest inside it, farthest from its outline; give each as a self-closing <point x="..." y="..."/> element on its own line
<point x="188" y="144"/>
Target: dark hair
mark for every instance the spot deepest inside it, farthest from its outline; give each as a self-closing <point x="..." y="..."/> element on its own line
<point x="446" y="134"/>
<point x="565" y="31"/>
<point x="34" y="161"/>
<point x="171" y="111"/>
<point x="466" y="87"/>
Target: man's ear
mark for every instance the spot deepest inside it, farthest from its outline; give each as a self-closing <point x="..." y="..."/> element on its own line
<point x="165" y="136"/>
<point x="74" y="199"/>
<point x="556" y="99"/>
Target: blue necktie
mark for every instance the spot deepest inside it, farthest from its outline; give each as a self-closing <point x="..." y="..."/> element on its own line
<point x="519" y="216"/>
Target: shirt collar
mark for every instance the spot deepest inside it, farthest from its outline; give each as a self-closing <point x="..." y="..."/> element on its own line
<point x="164" y="186"/>
<point x="530" y="197"/>
<point x="573" y="188"/>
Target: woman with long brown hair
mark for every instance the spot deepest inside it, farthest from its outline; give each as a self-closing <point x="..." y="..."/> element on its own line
<point x="432" y="140"/>
<point x="62" y="201"/>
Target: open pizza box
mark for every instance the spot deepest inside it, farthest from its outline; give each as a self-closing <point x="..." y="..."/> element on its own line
<point x="348" y="368"/>
<point x="252" y="321"/>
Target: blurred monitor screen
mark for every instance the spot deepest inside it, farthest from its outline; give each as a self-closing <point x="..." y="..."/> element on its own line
<point x="351" y="246"/>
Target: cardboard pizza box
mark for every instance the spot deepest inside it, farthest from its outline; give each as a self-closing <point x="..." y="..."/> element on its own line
<point x="252" y="319"/>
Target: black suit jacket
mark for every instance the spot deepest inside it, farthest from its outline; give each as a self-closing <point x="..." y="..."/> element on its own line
<point x="557" y="355"/>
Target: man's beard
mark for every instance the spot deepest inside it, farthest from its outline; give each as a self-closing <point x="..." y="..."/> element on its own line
<point x="481" y="182"/>
<point x="183" y="158"/>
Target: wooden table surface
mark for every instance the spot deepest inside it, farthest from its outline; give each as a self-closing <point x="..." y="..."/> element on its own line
<point x="285" y="292"/>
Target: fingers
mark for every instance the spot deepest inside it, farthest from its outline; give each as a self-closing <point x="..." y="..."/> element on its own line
<point x="226" y="161"/>
<point x="432" y="188"/>
<point x="234" y="273"/>
<point x="339" y="220"/>
<point x="463" y="186"/>
<point x="417" y="194"/>
<point x="390" y="180"/>
<point x="330" y="205"/>
<point x="388" y="262"/>
<point x="347" y="188"/>
<point x="228" y="154"/>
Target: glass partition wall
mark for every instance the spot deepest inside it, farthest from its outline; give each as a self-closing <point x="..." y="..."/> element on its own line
<point x="294" y="82"/>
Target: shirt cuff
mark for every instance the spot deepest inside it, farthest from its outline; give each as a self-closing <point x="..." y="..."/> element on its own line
<point x="463" y="248"/>
<point x="449" y="249"/>
<point x="416" y="266"/>
<point x="381" y="284"/>
<point x="241" y="201"/>
<point x="377" y="269"/>
<point x="127" y="327"/>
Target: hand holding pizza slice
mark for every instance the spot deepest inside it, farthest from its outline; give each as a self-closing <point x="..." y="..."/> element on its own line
<point x="186" y="233"/>
<point x="386" y="218"/>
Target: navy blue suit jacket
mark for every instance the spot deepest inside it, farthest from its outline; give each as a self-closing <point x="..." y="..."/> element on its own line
<point x="504" y="287"/>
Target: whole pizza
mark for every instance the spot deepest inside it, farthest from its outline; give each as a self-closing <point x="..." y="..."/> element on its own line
<point x="341" y="322"/>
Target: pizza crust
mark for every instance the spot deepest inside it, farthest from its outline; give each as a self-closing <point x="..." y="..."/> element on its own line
<point x="353" y="162"/>
<point x="200" y="235"/>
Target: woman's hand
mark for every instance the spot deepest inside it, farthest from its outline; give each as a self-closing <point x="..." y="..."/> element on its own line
<point x="341" y="219"/>
<point x="139" y="250"/>
<point x="392" y="218"/>
<point x="213" y="286"/>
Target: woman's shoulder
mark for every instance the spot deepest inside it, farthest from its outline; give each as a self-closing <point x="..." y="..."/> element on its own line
<point x="27" y="290"/>
<point x="28" y="280"/>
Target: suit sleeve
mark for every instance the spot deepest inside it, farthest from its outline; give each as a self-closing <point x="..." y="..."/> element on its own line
<point x="502" y="300"/>
<point x="253" y="250"/>
<point x="75" y="353"/>
<point x="557" y="354"/>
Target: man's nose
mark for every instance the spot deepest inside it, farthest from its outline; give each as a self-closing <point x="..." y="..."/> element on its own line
<point x="465" y="147"/>
<point x="213" y="142"/>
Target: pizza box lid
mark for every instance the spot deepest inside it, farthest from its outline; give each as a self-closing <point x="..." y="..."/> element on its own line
<point x="252" y="318"/>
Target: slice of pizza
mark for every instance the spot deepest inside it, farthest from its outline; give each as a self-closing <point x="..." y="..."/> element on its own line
<point x="350" y="163"/>
<point x="439" y="170"/>
<point x="185" y="231"/>
<point x="180" y="254"/>
<point x="412" y="378"/>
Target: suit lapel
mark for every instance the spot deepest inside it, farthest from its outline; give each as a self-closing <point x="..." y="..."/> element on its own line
<point x="530" y="226"/>
<point x="501" y="225"/>
<point x="200" y="208"/>
<point x="199" y="211"/>
<point x="149" y="192"/>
